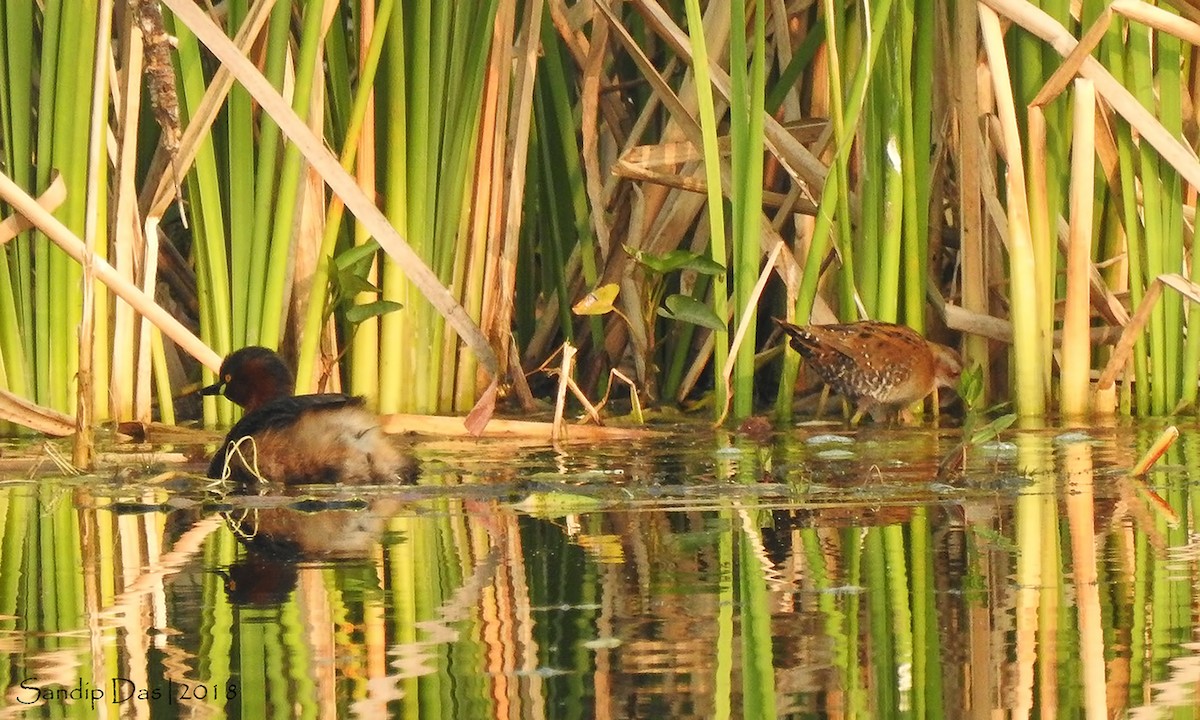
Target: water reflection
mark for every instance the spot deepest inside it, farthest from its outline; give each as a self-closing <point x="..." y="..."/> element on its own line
<point x="708" y="578"/>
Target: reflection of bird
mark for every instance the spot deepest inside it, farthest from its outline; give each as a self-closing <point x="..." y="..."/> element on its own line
<point x="882" y="367"/>
<point x="297" y="439"/>
<point x="260" y="580"/>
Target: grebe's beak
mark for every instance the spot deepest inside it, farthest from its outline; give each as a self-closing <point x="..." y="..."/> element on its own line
<point x="217" y="388"/>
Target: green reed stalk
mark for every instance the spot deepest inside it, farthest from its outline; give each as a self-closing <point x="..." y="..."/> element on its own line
<point x="464" y="63"/>
<point x="162" y="378"/>
<point x="1168" y="82"/>
<point x="1153" y="214"/>
<point x="310" y="341"/>
<point x="288" y="195"/>
<point x="433" y="52"/>
<point x="723" y="670"/>
<point x="869" y="240"/>
<point x="266" y="197"/>
<point x="900" y="608"/>
<point x="371" y="25"/>
<point x="63" y="142"/>
<point x="820" y="239"/>
<point x="208" y="225"/>
<point x="1052" y="167"/>
<point x="557" y="124"/>
<point x="425" y="39"/>
<point x="1028" y="375"/>
<point x="1113" y="54"/>
<point x="253" y="637"/>
<point x="410" y="93"/>
<point x="844" y="44"/>
<point x="295" y="679"/>
<point x="746" y="142"/>
<point x="1191" y="354"/>
<point x="884" y="166"/>
<point x="887" y="157"/>
<point x="395" y="352"/>
<point x="882" y="654"/>
<point x="916" y="98"/>
<point x="240" y="157"/>
<point x="339" y="73"/>
<point x="214" y="658"/>
<point x="16" y="132"/>
<point x="40" y="261"/>
<point x="551" y="223"/>
<point x="19" y="510"/>
<point x="712" y="176"/>
<point x="927" y="665"/>
<point x="758" y="671"/>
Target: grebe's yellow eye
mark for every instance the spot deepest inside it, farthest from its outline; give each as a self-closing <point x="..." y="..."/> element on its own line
<point x="227" y="378"/>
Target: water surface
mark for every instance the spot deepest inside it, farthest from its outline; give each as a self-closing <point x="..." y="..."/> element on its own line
<point x="816" y="572"/>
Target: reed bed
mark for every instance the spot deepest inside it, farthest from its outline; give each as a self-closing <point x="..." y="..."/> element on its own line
<point x="928" y="163"/>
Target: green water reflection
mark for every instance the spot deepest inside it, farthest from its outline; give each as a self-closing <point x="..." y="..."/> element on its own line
<point x="816" y="574"/>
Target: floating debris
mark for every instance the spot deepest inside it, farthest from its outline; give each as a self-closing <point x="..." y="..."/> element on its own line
<point x="829" y="439"/>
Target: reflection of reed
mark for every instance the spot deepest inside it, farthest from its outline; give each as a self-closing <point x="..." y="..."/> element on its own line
<point x="1080" y="502"/>
<point x="838" y="587"/>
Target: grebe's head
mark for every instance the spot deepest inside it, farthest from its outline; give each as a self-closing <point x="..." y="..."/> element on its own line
<point x="252" y="377"/>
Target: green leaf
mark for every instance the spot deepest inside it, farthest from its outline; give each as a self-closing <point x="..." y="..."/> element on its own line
<point x="357" y="313"/>
<point x="674" y="260"/>
<point x="704" y="265"/>
<point x="350" y="284"/>
<point x="556" y="504"/>
<point x="357" y="259"/>
<point x="689" y="309"/>
<point x="993" y="429"/>
<point x="970" y="386"/>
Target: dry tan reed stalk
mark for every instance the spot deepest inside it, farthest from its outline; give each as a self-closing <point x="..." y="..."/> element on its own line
<point x="970" y="158"/>
<point x="127" y="240"/>
<point x="49" y="200"/>
<point x="18" y="410"/>
<point x="538" y="432"/>
<point x="509" y="140"/>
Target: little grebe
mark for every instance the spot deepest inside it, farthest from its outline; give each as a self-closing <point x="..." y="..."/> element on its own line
<point x="297" y="439"/>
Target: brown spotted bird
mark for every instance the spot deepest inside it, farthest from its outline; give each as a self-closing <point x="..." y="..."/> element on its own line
<point x="882" y="367"/>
